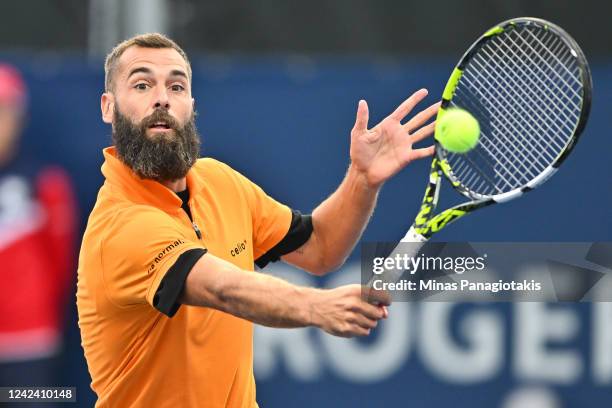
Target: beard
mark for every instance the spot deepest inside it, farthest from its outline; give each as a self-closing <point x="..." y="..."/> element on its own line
<point x="162" y="156"/>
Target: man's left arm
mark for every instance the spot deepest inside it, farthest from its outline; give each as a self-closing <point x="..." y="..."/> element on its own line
<point x="376" y="155"/>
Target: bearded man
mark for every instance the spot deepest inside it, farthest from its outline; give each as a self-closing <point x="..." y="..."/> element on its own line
<point x="167" y="292"/>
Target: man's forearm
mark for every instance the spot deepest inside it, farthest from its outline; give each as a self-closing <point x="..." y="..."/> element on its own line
<point x="253" y="296"/>
<point x="269" y="301"/>
<point x="339" y="221"/>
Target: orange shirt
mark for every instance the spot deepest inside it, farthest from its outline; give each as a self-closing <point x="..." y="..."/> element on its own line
<point x="137" y="231"/>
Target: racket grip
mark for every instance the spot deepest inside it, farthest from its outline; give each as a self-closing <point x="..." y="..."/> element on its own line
<point x="413" y="236"/>
<point x="417" y="241"/>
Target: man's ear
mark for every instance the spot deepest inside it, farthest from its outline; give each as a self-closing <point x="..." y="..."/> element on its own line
<point x="107" y="105"/>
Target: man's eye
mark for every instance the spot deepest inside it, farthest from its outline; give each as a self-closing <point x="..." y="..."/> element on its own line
<point x="177" y="88"/>
<point x="141" y="86"/>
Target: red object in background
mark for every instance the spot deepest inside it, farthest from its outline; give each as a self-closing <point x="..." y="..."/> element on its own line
<point x="12" y="88"/>
<point x="37" y="261"/>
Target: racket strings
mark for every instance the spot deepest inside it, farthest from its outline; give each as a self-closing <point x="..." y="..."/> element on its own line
<point x="566" y="89"/>
<point x="490" y="157"/>
<point x="545" y="76"/>
<point x="524" y="87"/>
<point x="571" y="108"/>
<point x="503" y="149"/>
<point x="531" y="86"/>
<point x="527" y="128"/>
<point x="505" y="112"/>
<point x="555" y="53"/>
<point x="506" y="87"/>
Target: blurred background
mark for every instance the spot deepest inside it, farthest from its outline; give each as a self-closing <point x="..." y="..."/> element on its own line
<point x="276" y="87"/>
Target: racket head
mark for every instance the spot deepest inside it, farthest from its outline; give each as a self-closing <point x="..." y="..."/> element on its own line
<point x="529" y="85"/>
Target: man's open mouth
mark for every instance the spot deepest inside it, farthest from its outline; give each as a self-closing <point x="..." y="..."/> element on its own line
<point x="159" y="125"/>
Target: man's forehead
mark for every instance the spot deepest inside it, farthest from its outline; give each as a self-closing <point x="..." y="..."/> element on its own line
<point x="166" y="59"/>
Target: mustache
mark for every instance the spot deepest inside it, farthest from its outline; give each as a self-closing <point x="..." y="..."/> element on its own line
<point x="159" y="115"/>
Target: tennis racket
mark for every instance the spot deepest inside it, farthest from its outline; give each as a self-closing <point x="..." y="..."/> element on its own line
<point x="529" y="86"/>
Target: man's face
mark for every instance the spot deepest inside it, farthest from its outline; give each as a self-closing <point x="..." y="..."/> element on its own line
<point x="151" y="110"/>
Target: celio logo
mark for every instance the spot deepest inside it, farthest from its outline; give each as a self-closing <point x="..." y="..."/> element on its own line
<point x="241" y="246"/>
<point x="167" y="249"/>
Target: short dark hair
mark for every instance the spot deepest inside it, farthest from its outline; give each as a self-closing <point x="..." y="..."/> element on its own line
<point x="149" y="40"/>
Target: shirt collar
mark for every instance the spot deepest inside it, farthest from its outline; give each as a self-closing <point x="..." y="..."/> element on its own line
<point x="143" y="191"/>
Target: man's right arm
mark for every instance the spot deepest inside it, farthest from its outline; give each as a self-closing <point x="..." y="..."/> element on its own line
<point x="270" y="301"/>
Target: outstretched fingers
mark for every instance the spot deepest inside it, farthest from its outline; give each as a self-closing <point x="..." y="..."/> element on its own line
<point x="423" y="133"/>
<point x="406" y="107"/>
<point x="421" y="118"/>
<point x="416" y="154"/>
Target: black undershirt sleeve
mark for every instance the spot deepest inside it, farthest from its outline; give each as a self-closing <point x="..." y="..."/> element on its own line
<point x="166" y="299"/>
<point x="299" y="232"/>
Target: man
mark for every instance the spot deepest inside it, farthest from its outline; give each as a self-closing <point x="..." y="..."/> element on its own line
<point x="37" y="253"/>
<point x="166" y="292"/>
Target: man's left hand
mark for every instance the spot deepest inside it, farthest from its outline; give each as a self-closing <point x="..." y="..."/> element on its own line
<point x="381" y="152"/>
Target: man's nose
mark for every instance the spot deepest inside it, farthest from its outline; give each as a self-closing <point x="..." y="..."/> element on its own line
<point x="161" y="99"/>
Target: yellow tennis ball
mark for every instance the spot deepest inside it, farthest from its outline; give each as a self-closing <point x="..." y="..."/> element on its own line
<point x="457" y="131"/>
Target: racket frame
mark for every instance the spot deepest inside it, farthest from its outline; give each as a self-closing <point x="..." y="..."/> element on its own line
<point x="426" y="224"/>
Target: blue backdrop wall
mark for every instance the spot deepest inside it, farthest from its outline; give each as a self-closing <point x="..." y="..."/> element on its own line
<point x="285" y="123"/>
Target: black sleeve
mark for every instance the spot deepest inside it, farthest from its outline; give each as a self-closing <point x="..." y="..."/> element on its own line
<point x="171" y="285"/>
<point x="299" y="232"/>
